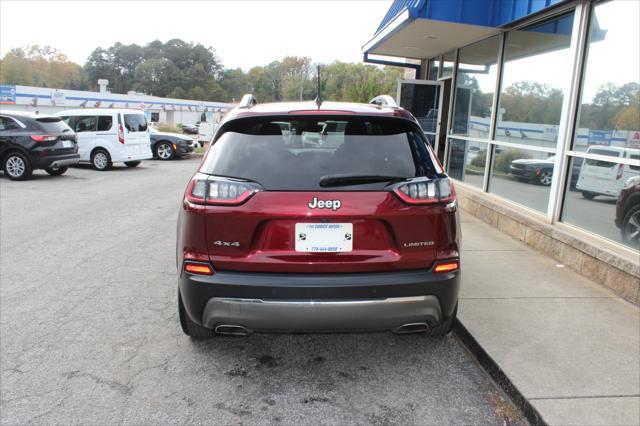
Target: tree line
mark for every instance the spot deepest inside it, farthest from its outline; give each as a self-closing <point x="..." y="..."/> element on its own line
<point x="183" y="70"/>
<point x="179" y="69"/>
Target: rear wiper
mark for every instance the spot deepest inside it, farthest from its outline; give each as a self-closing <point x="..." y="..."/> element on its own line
<point x="346" y="179"/>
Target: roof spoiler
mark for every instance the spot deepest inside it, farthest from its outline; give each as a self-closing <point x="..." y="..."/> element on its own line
<point x="248" y="101"/>
<point x="384" y="100"/>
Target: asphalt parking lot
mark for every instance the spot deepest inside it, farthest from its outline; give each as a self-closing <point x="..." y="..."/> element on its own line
<point x="90" y="334"/>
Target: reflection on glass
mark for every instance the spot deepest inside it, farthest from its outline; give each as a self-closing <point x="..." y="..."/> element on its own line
<point x="522" y="176"/>
<point x="447" y="66"/>
<point x="422" y="100"/>
<point x="534" y="82"/>
<point x="605" y="198"/>
<point x="475" y="84"/>
<point x="609" y="112"/>
<point x="467" y="160"/>
<point x="434" y="68"/>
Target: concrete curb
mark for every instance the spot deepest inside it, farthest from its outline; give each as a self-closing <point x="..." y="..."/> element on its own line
<point x="498" y="375"/>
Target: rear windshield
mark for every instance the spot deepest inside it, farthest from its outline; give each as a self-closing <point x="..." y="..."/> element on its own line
<point x="135" y="122"/>
<point x="52" y="125"/>
<point x="294" y="153"/>
<point x="598" y="163"/>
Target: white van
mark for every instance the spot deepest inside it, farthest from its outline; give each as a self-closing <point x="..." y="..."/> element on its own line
<point x="606" y="178"/>
<point x="107" y="136"/>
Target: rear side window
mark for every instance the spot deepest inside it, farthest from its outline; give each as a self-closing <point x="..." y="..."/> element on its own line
<point x="52" y="125"/>
<point x="85" y="123"/>
<point x="294" y="153"/>
<point x="104" y="122"/>
<point x="135" y="122"/>
<point x="8" y="124"/>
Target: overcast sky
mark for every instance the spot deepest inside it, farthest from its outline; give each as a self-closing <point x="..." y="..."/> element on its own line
<point x="249" y="33"/>
<point x="244" y="33"/>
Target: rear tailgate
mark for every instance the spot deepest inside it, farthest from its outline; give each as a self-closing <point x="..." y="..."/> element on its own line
<point x="136" y="134"/>
<point x="261" y="235"/>
<point x="59" y="138"/>
<point x="311" y="201"/>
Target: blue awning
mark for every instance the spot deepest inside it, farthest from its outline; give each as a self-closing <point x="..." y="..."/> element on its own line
<point x="424" y="28"/>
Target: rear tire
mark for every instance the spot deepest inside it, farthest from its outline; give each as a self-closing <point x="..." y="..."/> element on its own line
<point x="132" y="163"/>
<point x="56" y="171"/>
<point x="17" y="166"/>
<point x="445" y="326"/>
<point x="588" y="195"/>
<point x="189" y="327"/>
<point x="101" y="160"/>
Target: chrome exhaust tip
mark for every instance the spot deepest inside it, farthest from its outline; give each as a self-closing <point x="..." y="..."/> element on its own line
<point x="232" y="330"/>
<point x="414" y="327"/>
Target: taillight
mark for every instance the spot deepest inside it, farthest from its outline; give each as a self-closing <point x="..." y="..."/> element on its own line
<point x="439" y="190"/>
<point x="120" y="133"/>
<point x="43" y="138"/>
<point x="204" y="189"/>
<point x="198" y="268"/>
<point x="448" y="266"/>
<point x="620" y="171"/>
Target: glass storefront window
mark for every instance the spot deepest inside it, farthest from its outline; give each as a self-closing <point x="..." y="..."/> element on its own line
<point x="602" y="196"/>
<point x="535" y="79"/>
<point x="522" y="175"/>
<point x="467" y="160"/>
<point x="609" y="112"/>
<point x="447" y="63"/>
<point x="475" y="86"/>
<point x="434" y="69"/>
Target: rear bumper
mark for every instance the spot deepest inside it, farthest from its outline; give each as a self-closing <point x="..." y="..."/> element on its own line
<point x="63" y="160"/>
<point x="319" y="302"/>
<point x="522" y="173"/>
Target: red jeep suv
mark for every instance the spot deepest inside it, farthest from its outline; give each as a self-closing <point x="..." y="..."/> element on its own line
<point x="314" y="217"/>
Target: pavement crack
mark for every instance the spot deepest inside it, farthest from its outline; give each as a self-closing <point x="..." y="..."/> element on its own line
<point x="117" y="386"/>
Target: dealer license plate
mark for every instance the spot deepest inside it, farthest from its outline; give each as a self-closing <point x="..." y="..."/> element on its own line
<point x="324" y="237"/>
<point x="67" y="144"/>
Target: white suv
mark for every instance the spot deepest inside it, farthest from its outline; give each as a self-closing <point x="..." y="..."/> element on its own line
<point x="107" y="136"/>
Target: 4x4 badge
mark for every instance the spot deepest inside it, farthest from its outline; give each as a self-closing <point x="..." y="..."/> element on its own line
<point x="227" y="243"/>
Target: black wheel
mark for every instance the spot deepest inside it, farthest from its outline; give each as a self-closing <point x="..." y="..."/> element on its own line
<point x="189" y="327"/>
<point x="631" y="227"/>
<point x="588" y="195"/>
<point x="545" y="178"/>
<point x="132" y="163"/>
<point x="16" y="165"/>
<point x="101" y="160"/>
<point x="56" y="171"/>
<point x="445" y="326"/>
<point x="164" y="151"/>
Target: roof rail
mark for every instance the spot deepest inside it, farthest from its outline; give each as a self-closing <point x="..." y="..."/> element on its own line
<point x="384" y="100"/>
<point x="248" y="101"/>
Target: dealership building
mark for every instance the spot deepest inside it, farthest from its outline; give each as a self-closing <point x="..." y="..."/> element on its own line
<point x="163" y="110"/>
<point x="533" y="108"/>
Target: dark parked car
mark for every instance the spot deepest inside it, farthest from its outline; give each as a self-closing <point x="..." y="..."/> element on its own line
<point x="628" y="212"/>
<point x="167" y="146"/>
<point x="31" y="141"/>
<point x="189" y="129"/>
<point x="541" y="171"/>
<point x="358" y="232"/>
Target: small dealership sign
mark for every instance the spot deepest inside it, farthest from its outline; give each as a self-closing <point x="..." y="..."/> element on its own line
<point x="7" y="94"/>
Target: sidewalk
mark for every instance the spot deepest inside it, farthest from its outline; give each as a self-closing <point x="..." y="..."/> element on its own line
<point x="570" y="346"/>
